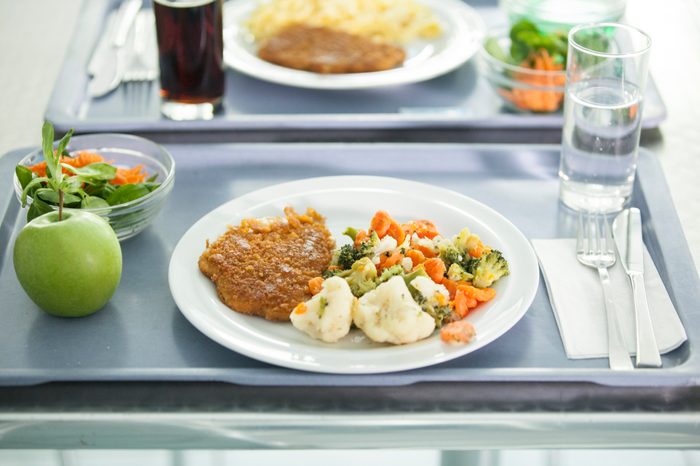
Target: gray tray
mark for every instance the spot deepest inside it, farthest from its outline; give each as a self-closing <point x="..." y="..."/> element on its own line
<point x="141" y="335"/>
<point x="460" y="99"/>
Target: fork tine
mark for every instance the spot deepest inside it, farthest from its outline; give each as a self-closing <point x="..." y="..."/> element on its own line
<point x="579" y="234"/>
<point x="609" y="242"/>
<point x="596" y="226"/>
<point x="589" y="240"/>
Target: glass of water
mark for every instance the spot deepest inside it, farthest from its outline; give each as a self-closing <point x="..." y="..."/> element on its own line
<point x="606" y="76"/>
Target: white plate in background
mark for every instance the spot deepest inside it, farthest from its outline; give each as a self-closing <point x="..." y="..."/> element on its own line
<point x="463" y="32"/>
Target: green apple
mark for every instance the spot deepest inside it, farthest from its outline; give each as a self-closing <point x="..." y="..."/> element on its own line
<point x="71" y="267"/>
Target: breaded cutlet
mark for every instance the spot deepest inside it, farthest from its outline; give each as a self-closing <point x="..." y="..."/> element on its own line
<point x="326" y="50"/>
<point x="263" y="266"/>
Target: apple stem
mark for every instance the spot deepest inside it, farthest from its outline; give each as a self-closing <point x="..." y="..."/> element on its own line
<point x="60" y="205"/>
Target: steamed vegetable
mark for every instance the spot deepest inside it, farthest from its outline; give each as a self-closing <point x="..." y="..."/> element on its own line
<point x="405" y="280"/>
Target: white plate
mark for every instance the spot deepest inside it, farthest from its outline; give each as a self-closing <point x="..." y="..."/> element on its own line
<point x="351" y="201"/>
<point x="463" y="32"/>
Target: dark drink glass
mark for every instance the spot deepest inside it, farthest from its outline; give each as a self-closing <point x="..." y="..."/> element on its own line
<point x="190" y="52"/>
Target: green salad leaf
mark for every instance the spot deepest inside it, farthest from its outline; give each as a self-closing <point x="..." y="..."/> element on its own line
<point x="85" y="187"/>
<point x="526" y="39"/>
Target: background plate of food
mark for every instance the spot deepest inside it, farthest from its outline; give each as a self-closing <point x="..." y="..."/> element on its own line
<point x="227" y="245"/>
<point x="349" y="44"/>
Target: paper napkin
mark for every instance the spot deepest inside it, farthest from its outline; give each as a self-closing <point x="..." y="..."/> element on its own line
<point x="576" y="296"/>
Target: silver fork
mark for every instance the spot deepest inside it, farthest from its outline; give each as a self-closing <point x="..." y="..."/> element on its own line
<point x="595" y="248"/>
<point x="140" y="71"/>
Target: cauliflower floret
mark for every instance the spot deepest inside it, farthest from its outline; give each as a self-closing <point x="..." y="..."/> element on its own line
<point x="328" y="315"/>
<point x="433" y="293"/>
<point x="386" y="244"/>
<point x="389" y="314"/>
<point x="433" y="299"/>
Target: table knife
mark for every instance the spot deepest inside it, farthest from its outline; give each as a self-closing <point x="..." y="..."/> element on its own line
<point x="108" y="70"/>
<point x="627" y="231"/>
<point x="100" y="52"/>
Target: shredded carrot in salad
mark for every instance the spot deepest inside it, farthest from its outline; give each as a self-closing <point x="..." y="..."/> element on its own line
<point x="81" y="159"/>
<point x="537" y="100"/>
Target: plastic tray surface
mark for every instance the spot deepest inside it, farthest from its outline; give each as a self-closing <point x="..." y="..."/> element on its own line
<point x="141" y="335"/>
<point x="459" y="99"/>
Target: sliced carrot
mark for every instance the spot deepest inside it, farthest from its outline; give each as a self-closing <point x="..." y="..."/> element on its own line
<point x="480" y="294"/>
<point x="396" y="232"/>
<point x="360" y="236"/>
<point x="422" y="228"/>
<point x="394" y="259"/>
<point x="315" y="285"/>
<point x="435" y="268"/>
<point x="458" y="332"/>
<point x="381" y="223"/>
<point x="477" y="251"/>
<point x="416" y="256"/>
<point x="426" y="251"/>
<point x="300" y="308"/>
<point x="460" y="303"/>
<point x="387" y="261"/>
<point x="451" y="287"/>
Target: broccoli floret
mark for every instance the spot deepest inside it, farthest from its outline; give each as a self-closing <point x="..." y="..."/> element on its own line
<point x="488" y="268"/>
<point x="469" y="264"/>
<point x="345" y="256"/>
<point x="348" y="254"/>
<point x="328" y="273"/>
<point x="441" y="314"/>
<point x="351" y="233"/>
<point x="449" y="253"/>
<point x="432" y="298"/>
<point x="457" y="273"/>
<point x="390" y="272"/>
<point x="367" y="246"/>
<point x="362" y="277"/>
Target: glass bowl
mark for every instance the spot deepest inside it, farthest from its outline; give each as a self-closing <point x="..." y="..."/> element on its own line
<point x="562" y="15"/>
<point x="521" y="89"/>
<point x="126" y="151"/>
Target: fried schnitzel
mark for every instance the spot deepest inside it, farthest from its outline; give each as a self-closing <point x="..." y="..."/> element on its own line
<point x="263" y="266"/>
<point x="325" y="50"/>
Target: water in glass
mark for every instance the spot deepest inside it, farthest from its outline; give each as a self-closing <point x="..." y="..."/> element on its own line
<point x="599" y="148"/>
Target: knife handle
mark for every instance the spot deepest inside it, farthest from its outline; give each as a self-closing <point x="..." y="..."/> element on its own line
<point x="647" y="348"/>
<point x="618" y="357"/>
<point x="126" y="16"/>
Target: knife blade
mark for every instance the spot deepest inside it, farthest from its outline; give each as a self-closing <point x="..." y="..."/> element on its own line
<point x="627" y="232"/>
<point x="110" y="67"/>
<point x="99" y="58"/>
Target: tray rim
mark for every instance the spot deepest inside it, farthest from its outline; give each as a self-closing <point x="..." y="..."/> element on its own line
<point x="656" y="195"/>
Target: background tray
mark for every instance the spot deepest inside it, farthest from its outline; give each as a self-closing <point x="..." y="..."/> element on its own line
<point x="460" y="99"/>
<point x="141" y="335"/>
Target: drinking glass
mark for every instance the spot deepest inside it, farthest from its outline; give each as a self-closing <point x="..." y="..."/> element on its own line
<point x="606" y="76"/>
<point x="190" y="52"/>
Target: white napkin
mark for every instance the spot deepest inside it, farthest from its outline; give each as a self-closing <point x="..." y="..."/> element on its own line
<point x="577" y="299"/>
